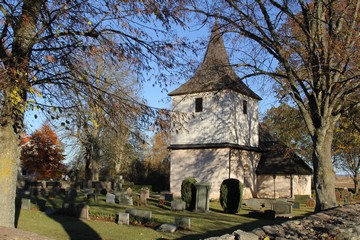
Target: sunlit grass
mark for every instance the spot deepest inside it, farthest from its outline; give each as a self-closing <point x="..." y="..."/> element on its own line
<point x="213" y="223"/>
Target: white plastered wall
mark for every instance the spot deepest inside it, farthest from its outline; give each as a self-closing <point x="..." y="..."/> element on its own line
<point x="282" y="184"/>
<point x="221" y="121"/>
<point x="212" y="165"/>
<point x="205" y="165"/>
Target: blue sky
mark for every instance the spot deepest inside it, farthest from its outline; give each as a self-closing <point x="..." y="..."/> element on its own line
<point x="157" y="97"/>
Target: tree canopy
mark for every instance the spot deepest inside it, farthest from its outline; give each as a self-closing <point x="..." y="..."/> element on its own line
<point x="42" y="154"/>
<point x="41" y="42"/>
<point x="311" y="50"/>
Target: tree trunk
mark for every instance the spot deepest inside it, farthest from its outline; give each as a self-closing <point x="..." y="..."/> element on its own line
<point x="356" y="181"/>
<point x="9" y="163"/>
<point x="324" y="174"/>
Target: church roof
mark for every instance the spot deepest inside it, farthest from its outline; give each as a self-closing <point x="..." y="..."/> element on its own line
<point x="277" y="158"/>
<point x="215" y="73"/>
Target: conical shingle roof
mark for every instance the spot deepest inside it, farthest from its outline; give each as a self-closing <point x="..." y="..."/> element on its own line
<point x="215" y="73"/>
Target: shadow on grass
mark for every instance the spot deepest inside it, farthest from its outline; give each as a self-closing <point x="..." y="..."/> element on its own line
<point x="75" y="228"/>
<point x="248" y="227"/>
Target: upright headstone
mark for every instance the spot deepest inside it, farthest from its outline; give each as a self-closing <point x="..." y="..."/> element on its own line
<point x="25" y="203"/>
<point x="144" y="195"/>
<point x="183" y="222"/>
<point x="123" y="218"/>
<point x="125" y="199"/>
<point x="202" y="196"/>
<point x="178" y="205"/>
<point x="119" y="185"/>
<point x="82" y="211"/>
<point x="129" y="191"/>
<point x="168" y="197"/>
<point x="139" y="213"/>
<point x="282" y="208"/>
<point x="110" y="198"/>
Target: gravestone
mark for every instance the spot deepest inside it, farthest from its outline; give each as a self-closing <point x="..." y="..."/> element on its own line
<point x="82" y="211"/>
<point x="144" y="195"/>
<point x="124" y="199"/>
<point x="282" y="209"/>
<point x="129" y="191"/>
<point x="110" y="198"/>
<point x="108" y="186"/>
<point x="123" y="218"/>
<point x="183" y="222"/>
<point x="119" y="185"/>
<point x="139" y="213"/>
<point x="25" y="204"/>
<point x="296" y="205"/>
<point x="168" y="197"/>
<point x="178" y="205"/>
<point x="167" y="227"/>
<point x="310" y="203"/>
<point x="202" y="196"/>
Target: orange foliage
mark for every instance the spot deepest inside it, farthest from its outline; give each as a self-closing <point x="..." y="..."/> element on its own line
<point x="42" y="154"/>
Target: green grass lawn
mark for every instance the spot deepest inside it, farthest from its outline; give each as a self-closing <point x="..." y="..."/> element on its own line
<point x="203" y="225"/>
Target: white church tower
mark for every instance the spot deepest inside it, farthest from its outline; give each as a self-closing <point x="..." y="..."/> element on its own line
<point x="215" y="129"/>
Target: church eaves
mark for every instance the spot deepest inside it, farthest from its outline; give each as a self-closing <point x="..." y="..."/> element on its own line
<point x="215" y="73"/>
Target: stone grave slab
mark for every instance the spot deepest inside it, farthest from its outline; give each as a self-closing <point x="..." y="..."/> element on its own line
<point x="139" y="213"/>
<point x="167" y="227"/>
<point x="123" y="218"/>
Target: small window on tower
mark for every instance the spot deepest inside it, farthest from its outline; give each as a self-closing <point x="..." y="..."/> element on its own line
<point x="244" y="106"/>
<point x="198" y="104"/>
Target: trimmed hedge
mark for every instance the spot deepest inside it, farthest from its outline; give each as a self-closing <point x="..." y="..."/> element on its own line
<point x="231" y="195"/>
<point x="188" y="192"/>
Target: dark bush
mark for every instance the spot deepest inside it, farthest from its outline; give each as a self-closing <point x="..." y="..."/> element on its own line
<point x="188" y="192"/>
<point x="231" y="195"/>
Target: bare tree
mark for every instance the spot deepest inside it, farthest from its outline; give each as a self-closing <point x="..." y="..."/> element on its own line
<point x="40" y="40"/>
<point x="311" y="50"/>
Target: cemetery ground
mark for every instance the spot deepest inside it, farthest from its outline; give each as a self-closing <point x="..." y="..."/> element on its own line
<point x="50" y="220"/>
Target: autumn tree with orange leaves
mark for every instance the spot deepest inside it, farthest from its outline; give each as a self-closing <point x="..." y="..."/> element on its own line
<point x="42" y="154"/>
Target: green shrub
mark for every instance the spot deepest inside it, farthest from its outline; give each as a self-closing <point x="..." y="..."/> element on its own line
<point x="188" y="192"/>
<point x="231" y="195"/>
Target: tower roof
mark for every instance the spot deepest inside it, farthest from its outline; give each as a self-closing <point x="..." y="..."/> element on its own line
<point x="215" y="73"/>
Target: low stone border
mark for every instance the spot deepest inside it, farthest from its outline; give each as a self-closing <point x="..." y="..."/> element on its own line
<point x="341" y="223"/>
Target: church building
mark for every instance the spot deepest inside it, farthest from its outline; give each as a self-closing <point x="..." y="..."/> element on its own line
<point x="216" y="135"/>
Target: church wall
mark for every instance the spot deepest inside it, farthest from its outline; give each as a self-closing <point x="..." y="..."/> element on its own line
<point x="221" y="121"/>
<point x="212" y="165"/>
<point x="205" y="165"/>
<point x="243" y="166"/>
<point x="301" y="186"/>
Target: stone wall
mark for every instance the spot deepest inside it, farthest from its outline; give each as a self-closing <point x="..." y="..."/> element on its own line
<point x="341" y="223"/>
